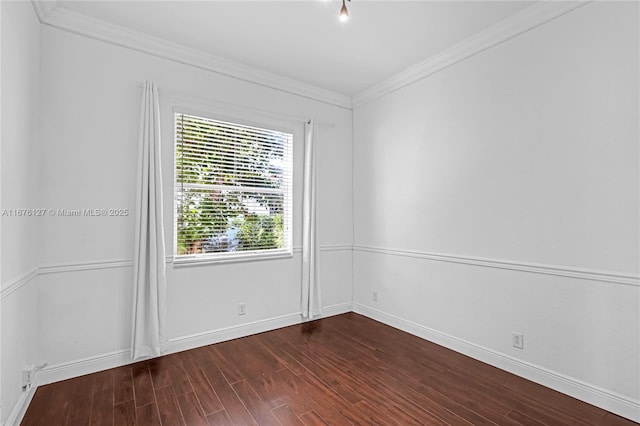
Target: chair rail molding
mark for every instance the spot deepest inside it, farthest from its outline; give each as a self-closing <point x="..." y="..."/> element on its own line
<point x="16" y="283"/>
<point x="561" y="271"/>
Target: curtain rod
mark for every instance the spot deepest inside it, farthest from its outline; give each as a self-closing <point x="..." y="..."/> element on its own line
<point x="230" y="105"/>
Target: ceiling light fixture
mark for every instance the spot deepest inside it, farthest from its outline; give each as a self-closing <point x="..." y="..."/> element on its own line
<point x="344" y="13"/>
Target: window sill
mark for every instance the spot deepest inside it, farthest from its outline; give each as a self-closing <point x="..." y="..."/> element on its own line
<point x="217" y="258"/>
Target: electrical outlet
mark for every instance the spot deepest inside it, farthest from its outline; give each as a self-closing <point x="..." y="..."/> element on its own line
<point x="374" y="296"/>
<point x="517" y="340"/>
<point x="242" y="308"/>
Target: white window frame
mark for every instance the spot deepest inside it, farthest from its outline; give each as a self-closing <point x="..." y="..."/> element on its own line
<point x="240" y="256"/>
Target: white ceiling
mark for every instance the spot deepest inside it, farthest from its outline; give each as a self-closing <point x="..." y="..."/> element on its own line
<point x="304" y="40"/>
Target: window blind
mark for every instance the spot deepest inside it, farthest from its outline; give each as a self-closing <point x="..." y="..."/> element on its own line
<point x="233" y="189"/>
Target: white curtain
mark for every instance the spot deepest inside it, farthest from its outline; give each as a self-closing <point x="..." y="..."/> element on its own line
<point x="149" y="281"/>
<point x="311" y="292"/>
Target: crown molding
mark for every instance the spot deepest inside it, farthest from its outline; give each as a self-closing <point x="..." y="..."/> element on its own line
<point x="538" y="14"/>
<point x="49" y="13"/>
<point x="43" y="8"/>
<point x="71" y="21"/>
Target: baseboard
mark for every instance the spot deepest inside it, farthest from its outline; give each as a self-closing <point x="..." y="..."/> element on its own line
<point x="20" y="409"/>
<point x="607" y="400"/>
<point x="235" y="332"/>
<point x="338" y="309"/>
<point x="80" y="367"/>
<point x="229" y="333"/>
<point x="93" y="364"/>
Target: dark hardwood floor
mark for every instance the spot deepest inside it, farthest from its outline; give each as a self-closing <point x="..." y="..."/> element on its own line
<point x="342" y="370"/>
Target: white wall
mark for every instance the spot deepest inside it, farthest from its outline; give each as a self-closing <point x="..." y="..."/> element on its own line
<point x="524" y="153"/>
<point x="90" y="110"/>
<point x="20" y="63"/>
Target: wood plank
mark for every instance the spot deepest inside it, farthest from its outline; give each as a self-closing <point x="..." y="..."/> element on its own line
<point x="103" y="397"/>
<point x="473" y="415"/>
<point x="191" y="410"/>
<point x="206" y="395"/>
<point x="58" y="407"/>
<point x="102" y="408"/>
<point x="228" y="368"/>
<point x="330" y="406"/>
<point x="258" y="409"/>
<point x="234" y="407"/>
<point x="379" y="395"/>
<point x="147" y="415"/>
<point x="168" y="408"/>
<point x="338" y="380"/>
<point x="142" y="386"/>
<point x="177" y="373"/>
<point x="296" y="393"/>
<point x="377" y="392"/>
<point x="374" y="415"/>
<point x="81" y="400"/>
<point x="522" y="419"/>
<point x="267" y="388"/>
<point x="311" y="418"/>
<point x="124" y="414"/>
<point x="122" y="384"/>
<point x="286" y="416"/>
<point x="219" y="419"/>
<point x="272" y="342"/>
<point x="158" y="367"/>
<point x="105" y="380"/>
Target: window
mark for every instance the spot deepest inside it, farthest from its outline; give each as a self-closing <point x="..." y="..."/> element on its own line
<point x="233" y="190"/>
